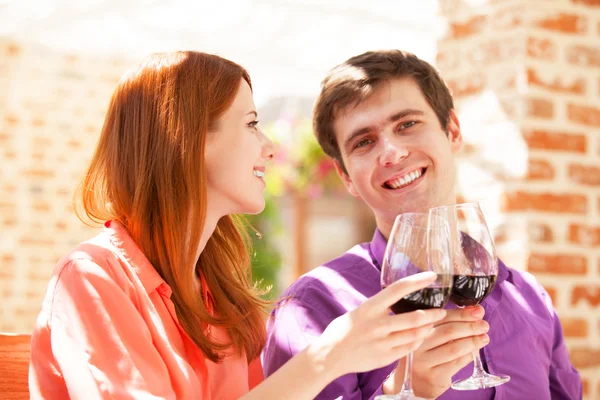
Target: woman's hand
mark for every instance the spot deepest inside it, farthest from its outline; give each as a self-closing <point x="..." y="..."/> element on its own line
<point x="371" y="337"/>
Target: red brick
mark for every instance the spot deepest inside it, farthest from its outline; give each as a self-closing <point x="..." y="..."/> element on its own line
<point x="10" y="188"/>
<point x="540" y="233"/>
<point x="545" y="202"/>
<point x="593" y="3"/>
<point x="9" y="223"/>
<point x="587" y="294"/>
<point x="8" y="259"/>
<point x="466" y="86"/>
<point x="74" y="144"/>
<point x="33" y="241"/>
<point x="468" y="28"/>
<point x="11" y="119"/>
<point x="585" y="174"/>
<point x="493" y="52"/>
<point x="13" y="50"/>
<point x="565" y="23"/>
<point x="559" y="141"/>
<point x="543" y="49"/>
<point x="41" y="206"/>
<point x="552" y="293"/>
<point x="507" y="19"/>
<point x="38" y="173"/>
<point x="540" y="108"/>
<point x="577" y="86"/>
<point x="41" y="141"/>
<point x="5" y="137"/>
<point x="584" y="235"/>
<point x="585" y="357"/>
<point x="6" y="273"/>
<point x="586" y="387"/>
<point x="540" y="170"/>
<point x="10" y="155"/>
<point x="589" y="116"/>
<point x="561" y="264"/>
<point x="38" y="122"/>
<point x="7" y="205"/>
<point x="584" y="56"/>
<point x="574" y="327"/>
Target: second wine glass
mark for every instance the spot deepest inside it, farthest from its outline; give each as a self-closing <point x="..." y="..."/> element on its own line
<point x="418" y="243"/>
<point x="475" y="269"/>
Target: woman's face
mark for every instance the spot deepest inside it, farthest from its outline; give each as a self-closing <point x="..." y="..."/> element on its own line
<point x="236" y="154"/>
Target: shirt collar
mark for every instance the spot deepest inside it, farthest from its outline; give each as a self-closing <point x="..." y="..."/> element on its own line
<point x="377" y="248"/>
<point x="127" y="247"/>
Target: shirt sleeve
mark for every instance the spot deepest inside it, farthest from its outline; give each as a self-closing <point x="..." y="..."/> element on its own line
<point x="565" y="382"/>
<point x="101" y="343"/>
<point x="293" y="326"/>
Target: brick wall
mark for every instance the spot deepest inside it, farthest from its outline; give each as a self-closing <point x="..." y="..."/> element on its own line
<point x="527" y="80"/>
<point x="51" y="111"/>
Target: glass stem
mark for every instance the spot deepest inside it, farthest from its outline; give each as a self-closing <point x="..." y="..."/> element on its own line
<point x="407" y="384"/>
<point x="478" y="365"/>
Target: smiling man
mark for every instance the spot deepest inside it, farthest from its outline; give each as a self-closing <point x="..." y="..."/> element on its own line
<point x="388" y="121"/>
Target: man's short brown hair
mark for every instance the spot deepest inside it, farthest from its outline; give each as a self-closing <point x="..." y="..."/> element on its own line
<point x="352" y="82"/>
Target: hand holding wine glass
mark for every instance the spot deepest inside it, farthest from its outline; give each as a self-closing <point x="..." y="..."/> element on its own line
<point x="475" y="269"/>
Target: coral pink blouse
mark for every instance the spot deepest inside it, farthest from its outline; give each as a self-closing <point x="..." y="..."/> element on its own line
<point x="108" y="329"/>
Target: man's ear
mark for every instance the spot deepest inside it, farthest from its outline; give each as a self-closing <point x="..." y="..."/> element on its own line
<point x="345" y="178"/>
<point x="454" y="133"/>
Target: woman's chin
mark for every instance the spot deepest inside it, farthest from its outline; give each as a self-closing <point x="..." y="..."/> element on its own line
<point x="254" y="208"/>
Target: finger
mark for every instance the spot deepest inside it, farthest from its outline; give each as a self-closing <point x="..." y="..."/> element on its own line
<point x="455" y="331"/>
<point x="464" y="314"/>
<point x="402" y="351"/>
<point x="397" y="290"/>
<point x="454" y="350"/>
<point x="452" y="367"/>
<point x="414" y="319"/>
<point x="407" y="336"/>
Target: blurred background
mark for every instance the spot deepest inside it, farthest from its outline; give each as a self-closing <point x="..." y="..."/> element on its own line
<point x="525" y="75"/>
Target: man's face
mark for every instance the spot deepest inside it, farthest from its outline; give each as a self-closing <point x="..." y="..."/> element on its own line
<point x="397" y="156"/>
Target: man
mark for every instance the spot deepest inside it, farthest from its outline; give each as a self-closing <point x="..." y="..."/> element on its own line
<point x="388" y="121"/>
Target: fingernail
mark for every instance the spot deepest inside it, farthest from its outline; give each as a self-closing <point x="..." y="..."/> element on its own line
<point x="485" y="326"/>
<point x="477" y="312"/>
<point x="486" y="339"/>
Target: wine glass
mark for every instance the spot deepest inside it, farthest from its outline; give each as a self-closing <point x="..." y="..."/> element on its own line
<point x="475" y="269"/>
<point x="418" y="243"/>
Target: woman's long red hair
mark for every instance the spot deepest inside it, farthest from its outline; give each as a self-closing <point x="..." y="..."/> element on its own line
<point x="148" y="173"/>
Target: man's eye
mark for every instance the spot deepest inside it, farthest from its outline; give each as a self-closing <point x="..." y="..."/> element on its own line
<point x="406" y="125"/>
<point x="362" y="143"/>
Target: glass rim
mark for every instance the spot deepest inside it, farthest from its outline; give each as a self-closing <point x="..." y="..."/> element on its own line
<point x="457" y="205"/>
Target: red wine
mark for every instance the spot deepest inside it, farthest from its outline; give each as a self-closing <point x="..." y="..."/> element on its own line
<point x="422" y="300"/>
<point x="470" y="290"/>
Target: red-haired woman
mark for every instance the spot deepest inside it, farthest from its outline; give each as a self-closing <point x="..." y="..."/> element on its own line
<point x="160" y="305"/>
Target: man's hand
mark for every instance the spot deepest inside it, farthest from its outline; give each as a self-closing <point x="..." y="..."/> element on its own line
<point x="446" y="350"/>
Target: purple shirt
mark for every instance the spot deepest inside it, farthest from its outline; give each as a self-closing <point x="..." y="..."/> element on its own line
<point x="526" y="339"/>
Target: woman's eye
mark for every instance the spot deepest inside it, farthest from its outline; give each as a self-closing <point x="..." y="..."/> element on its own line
<point x="253" y="124"/>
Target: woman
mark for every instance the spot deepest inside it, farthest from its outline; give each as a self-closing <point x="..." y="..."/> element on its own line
<point x="160" y="304"/>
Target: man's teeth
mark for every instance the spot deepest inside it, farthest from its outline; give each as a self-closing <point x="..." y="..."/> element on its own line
<point x="404" y="180"/>
<point x="258" y="173"/>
